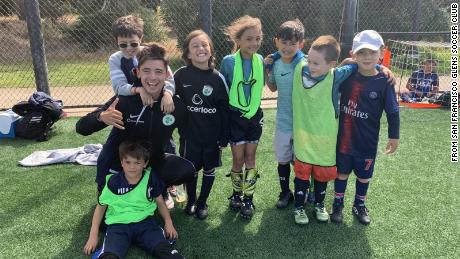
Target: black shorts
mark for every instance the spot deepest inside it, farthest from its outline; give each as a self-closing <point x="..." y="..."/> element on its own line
<point x="202" y="157"/>
<point x="244" y="130"/>
<point x="146" y="234"/>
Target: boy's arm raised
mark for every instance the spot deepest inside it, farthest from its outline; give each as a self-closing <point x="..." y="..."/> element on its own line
<point x="93" y="238"/>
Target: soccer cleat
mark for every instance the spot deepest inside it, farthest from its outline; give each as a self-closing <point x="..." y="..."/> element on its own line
<point x="362" y="214"/>
<point x="300" y="216"/>
<point x="337" y="214"/>
<point x="320" y="212"/>
<point x="247" y="208"/>
<point x="190" y="209"/>
<point x="235" y="202"/>
<point x="284" y="200"/>
<point x="202" y="212"/>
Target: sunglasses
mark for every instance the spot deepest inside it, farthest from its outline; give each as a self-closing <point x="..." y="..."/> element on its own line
<point x="125" y="45"/>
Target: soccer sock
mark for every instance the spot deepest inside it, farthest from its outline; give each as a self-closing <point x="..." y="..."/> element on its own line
<point x="300" y="188"/>
<point x="191" y="189"/>
<point x="206" y="185"/>
<point x="320" y="191"/>
<point x="283" y="172"/>
<point x="361" y="191"/>
<point x="339" y="189"/>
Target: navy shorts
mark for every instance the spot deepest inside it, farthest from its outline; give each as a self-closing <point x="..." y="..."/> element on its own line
<point x="243" y="130"/>
<point x="202" y="157"/>
<point x="362" y="166"/>
<point x="146" y="234"/>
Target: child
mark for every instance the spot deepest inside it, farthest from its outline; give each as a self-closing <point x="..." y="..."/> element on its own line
<point x="364" y="96"/>
<point x="128" y="31"/>
<point x="204" y="91"/>
<point x="130" y="199"/>
<point x="244" y="73"/>
<point x="315" y="122"/>
<point x="289" y="42"/>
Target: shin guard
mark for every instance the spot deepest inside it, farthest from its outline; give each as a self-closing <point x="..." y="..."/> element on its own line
<point x="249" y="181"/>
<point x="237" y="181"/>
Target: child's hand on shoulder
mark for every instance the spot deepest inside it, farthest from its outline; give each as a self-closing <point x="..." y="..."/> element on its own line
<point x="392" y="145"/>
<point x="388" y="74"/>
<point x="170" y="231"/>
<point x="348" y="61"/>
<point x="268" y="60"/>
<point x="147" y="100"/>
<point x="167" y="103"/>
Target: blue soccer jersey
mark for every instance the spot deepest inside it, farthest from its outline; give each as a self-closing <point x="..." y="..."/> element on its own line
<point x="424" y="83"/>
<point x="362" y="102"/>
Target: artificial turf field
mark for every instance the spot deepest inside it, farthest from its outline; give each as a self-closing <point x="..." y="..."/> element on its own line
<point x="45" y="212"/>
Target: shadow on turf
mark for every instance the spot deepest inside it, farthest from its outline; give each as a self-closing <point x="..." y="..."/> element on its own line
<point x="315" y="240"/>
<point x="277" y="236"/>
<point x="79" y="237"/>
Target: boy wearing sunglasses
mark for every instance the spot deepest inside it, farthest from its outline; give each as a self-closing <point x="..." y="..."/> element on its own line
<point x="128" y="31"/>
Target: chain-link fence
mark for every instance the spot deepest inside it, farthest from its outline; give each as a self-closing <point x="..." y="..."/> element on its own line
<point x="78" y="39"/>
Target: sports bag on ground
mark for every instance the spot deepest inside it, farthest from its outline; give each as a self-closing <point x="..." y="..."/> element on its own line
<point x="38" y="116"/>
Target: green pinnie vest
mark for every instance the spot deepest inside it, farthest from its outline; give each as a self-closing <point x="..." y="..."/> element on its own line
<point x="131" y="207"/>
<point x="237" y="96"/>
<point x="315" y="125"/>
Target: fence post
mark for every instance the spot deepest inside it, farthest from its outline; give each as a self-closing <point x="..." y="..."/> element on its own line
<point x="347" y="29"/>
<point x="37" y="49"/>
<point x="206" y="16"/>
<point x="416" y="21"/>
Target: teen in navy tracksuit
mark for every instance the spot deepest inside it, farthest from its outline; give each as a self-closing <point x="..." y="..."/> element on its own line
<point x="204" y="92"/>
<point x="148" y="123"/>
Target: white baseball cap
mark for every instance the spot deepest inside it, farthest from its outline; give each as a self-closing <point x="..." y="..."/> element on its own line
<point x="368" y="39"/>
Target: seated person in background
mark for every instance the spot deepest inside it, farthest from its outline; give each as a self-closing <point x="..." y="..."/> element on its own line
<point x="130" y="199"/>
<point x="422" y="83"/>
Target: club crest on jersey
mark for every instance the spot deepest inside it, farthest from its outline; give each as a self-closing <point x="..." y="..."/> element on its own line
<point x="373" y="95"/>
<point x="168" y="120"/>
<point x="207" y="90"/>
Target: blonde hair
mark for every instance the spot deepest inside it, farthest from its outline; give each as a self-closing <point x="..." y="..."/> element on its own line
<point x="236" y="29"/>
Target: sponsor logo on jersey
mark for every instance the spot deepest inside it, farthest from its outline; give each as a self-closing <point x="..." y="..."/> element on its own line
<point x="185" y="86"/>
<point x="351" y="109"/>
<point x="201" y="109"/>
<point x="196" y="99"/>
